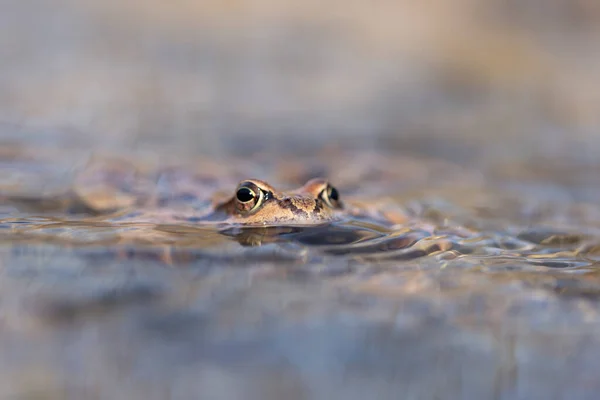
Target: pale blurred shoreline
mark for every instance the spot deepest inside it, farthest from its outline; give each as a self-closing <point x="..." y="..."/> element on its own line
<point x="459" y="79"/>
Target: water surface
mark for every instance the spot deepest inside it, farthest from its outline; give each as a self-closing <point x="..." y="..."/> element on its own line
<point x="487" y="292"/>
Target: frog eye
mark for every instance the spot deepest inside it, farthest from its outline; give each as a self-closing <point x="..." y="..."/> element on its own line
<point x="245" y="194"/>
<point x="248" y="197"/>
<point x="330" y="196"/>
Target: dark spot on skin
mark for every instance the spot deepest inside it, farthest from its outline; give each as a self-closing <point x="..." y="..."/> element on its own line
<point x="318" y="207"/>
<point x="289" y="204"/>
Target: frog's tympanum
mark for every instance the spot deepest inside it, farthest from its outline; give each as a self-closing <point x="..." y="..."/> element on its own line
<point x="257" y="203"/>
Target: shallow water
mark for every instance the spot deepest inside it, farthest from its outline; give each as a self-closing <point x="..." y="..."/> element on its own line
<point x="482" y="293"/>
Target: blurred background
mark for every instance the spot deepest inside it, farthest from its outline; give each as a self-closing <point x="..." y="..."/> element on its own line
<point x="471" y="81"/>
<point x="454" y="103"/>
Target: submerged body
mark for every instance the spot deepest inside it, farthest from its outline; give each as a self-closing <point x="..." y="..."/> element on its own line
<point x="176" y="196"/>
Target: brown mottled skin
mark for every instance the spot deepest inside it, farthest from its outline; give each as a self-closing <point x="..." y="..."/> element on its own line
<point x="313" y="203"/>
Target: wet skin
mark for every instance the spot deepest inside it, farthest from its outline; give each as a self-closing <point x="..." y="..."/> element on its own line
<point x="257" y="203"/>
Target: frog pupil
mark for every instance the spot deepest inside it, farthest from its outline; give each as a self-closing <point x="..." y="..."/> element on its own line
<point x="245" y="195"/>
<point x="333" y="194"/>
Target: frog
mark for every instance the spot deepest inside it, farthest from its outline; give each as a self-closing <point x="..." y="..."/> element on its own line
<point x="179" y="196"/>
<point x="211" y="204"/>
<point x="257" y="203"/>
<point x="150" y="204"/>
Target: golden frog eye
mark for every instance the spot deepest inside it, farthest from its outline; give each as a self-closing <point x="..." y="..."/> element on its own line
<point x="249" y="197"/>
<point x="330" y="196"/>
